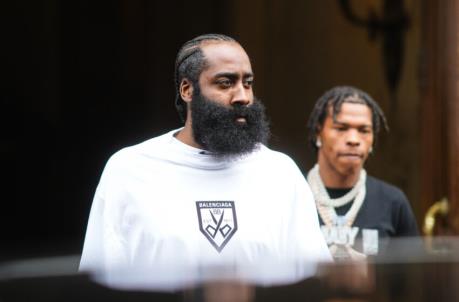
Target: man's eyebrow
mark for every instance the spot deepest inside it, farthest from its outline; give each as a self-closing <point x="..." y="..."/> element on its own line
<point x="226" y="75"/>
<point x="233" y="75"/>
<point x="336" y="122"/>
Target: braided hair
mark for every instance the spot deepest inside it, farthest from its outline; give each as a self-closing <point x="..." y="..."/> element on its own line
<point x="335" y="98"/>
<point x="189" y="64"/>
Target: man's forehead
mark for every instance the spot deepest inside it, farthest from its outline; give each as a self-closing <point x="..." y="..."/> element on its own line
<point x="350" y="110"/>
<point x="219" y="46"/>
<point x="226" y="54"/>
<point x="348" y="101"/>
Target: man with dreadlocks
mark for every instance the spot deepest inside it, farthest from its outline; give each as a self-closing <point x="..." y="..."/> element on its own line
<point x="351" y="204"/>
<point x="210" y="193"/>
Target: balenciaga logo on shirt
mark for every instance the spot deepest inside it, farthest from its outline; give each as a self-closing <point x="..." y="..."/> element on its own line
<point x="217" y="221"/>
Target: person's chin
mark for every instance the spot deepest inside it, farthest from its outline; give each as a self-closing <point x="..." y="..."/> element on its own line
<point x="351" y="166"/>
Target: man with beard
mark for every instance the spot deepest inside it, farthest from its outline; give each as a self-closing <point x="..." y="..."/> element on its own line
<point x="356" y="210"/>
<point x="208" y="194"/>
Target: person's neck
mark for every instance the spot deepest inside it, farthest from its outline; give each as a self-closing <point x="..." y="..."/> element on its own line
<point x="186" y="136"/>
<point x="333" y="179"/>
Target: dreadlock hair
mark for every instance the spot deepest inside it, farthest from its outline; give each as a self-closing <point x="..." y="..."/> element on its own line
<point x="334" y="98"/>
<point x="189" y="64"/>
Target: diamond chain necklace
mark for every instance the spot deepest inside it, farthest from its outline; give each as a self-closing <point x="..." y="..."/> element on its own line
<point x="326" y="205"/>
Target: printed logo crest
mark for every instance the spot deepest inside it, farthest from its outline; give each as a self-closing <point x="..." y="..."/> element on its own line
<point x="217" y="221"/>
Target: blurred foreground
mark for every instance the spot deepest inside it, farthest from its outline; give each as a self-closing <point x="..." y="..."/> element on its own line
<point x="407" y="271"/>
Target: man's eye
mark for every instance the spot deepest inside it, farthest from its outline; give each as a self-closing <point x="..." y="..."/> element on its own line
<point x="248" y="83"/>
<point x="224" y="83"/>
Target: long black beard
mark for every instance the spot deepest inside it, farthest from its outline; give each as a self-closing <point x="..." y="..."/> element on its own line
<point x="215" y="127"/>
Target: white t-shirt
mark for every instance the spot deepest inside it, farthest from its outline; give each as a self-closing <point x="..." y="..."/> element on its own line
<point x="163" y="206"/>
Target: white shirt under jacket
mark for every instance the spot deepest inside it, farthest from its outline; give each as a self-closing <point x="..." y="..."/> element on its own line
<point x="163" y="206"/>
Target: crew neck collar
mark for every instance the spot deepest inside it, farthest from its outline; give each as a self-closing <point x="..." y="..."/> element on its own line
<point x="197" y="157"/>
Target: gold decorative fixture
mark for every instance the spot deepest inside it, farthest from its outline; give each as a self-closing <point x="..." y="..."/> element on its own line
<point x="440" y="207"/>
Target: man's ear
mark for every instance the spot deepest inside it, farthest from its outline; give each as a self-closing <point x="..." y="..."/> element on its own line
<point x="186" y="90"/>
<point x="318" y="131"/>
<point x="318" y="141"/>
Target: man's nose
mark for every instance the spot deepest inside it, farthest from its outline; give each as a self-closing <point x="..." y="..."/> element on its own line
<point x="242" y="95"/>
<point x="353" y="138"/>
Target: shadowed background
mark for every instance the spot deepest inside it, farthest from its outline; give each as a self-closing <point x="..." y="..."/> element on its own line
<point x="83" y="79"/>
